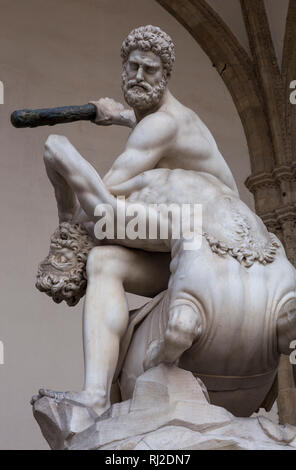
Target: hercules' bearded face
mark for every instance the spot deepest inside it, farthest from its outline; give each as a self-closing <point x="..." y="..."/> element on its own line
<point x="143" y="80"/>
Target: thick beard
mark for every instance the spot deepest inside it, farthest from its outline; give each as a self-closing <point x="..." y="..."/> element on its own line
<point x="145" y="99"/>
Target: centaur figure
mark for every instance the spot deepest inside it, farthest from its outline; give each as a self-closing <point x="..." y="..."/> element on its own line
<point x="225" y="311"/>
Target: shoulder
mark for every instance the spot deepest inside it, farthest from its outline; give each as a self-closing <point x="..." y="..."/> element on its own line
<point x="156" y="129"/>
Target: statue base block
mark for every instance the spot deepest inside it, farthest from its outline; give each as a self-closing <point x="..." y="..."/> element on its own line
<point x="168" y="411"/>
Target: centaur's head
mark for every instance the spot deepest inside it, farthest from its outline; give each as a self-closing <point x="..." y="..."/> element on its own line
<point x="62" y="275"/>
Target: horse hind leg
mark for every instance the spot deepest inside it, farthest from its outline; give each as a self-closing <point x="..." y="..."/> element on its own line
<point x="183" y="328"/>
<point x="286" y="327"/>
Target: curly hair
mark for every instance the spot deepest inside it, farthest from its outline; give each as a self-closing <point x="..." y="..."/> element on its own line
<point x="150" y="38"/>
<point x="69" y="284"/>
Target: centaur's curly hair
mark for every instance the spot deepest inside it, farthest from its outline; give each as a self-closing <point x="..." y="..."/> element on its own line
<point x="69" y="284"/>
<point x="150" y="38"/>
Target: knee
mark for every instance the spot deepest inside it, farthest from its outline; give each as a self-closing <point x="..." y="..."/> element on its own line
<point x="53" y="146"/>
<point x="103" y="260"/>
<point x="184" y="326"/>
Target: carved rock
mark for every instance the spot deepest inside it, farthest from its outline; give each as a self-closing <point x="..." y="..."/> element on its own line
<point x="161" y="415"/>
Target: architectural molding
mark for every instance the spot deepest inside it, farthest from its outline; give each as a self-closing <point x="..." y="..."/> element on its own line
<point x="282" y="173"/>
<point x="282" y="222"/>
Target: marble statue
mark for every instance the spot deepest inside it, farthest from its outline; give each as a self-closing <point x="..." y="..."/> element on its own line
<point x="224" y="312"/>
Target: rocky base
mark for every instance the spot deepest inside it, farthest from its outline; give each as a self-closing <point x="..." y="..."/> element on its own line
<point x="162" y="415"/>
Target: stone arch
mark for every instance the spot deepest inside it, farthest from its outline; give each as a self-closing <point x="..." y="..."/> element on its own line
<point x="236" y="69"/>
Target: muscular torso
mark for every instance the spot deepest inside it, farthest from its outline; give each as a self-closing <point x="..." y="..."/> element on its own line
<point x="194" y="147"/>
<point x="174" y="137"/>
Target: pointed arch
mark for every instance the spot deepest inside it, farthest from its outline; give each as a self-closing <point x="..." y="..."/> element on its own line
<point x="236" y="70"/>
<point x="289" y="73"/>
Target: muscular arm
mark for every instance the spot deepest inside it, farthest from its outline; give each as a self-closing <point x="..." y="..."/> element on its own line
<point x="126" y="118"/>
<point x="146" y="145"/>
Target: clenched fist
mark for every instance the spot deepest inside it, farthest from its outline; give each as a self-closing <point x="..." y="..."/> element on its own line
<point x="108" y="111"/>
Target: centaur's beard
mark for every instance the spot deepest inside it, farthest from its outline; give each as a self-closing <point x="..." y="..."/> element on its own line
<point x="143" y="96"/>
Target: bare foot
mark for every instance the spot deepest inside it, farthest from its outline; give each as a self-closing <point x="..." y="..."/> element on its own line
<point x="91" y="399"/>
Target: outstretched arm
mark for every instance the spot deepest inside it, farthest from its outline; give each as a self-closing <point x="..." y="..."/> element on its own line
<point x="147" y="144"/>
<point x="111" y="112"/>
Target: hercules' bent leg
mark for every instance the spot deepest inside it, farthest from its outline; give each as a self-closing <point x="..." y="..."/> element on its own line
<point x="74" y="173"/>
<point x="111" y="270"/>
<point x="69" y="170"/>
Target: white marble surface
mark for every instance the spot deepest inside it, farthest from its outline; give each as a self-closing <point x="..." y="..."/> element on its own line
<point x="230" y="305"/>
<point x="161" y="415"/>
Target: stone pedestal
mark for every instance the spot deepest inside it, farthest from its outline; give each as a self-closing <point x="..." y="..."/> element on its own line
<point x="169" y="410"/>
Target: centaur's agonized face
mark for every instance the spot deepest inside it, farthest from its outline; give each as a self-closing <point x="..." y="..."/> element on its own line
<point x="60" y="260"/>
<point x="144" y="80"/>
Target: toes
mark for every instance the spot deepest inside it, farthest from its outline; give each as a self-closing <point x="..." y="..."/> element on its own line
<point x="58" y="396"/>
<point x="44" y="392"/>
<point x="34" y="399"/>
